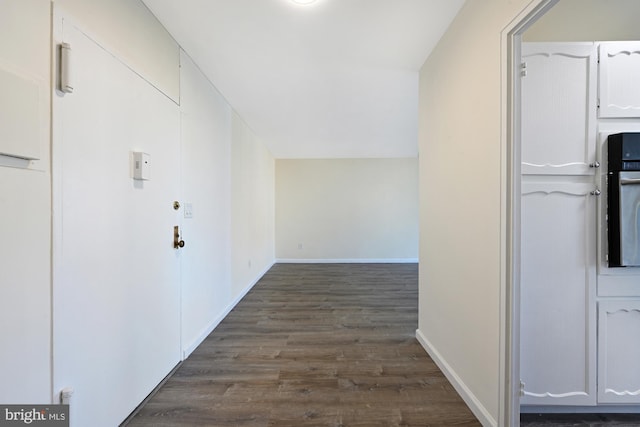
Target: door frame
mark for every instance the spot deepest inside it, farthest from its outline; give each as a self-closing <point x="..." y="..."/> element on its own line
<point x="511" y="39"/>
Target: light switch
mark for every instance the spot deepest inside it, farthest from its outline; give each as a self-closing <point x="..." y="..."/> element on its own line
<point x="188" y="210"/>
<point x="141" y="166"/>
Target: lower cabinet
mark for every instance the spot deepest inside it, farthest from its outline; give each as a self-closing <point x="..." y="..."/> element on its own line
<point x="566" y="341"/>
<point x="557" y="311"/>
<point x="619" y="351"/>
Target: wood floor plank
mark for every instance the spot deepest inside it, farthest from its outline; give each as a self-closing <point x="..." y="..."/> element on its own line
<point x="314" y="345"/>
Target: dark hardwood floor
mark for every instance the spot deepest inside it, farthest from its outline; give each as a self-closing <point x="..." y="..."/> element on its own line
<point x="314" y="345"/>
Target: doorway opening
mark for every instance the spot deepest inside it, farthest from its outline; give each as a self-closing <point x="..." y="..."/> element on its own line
<point x="568" y="23"/>
<point x="511" y="171"/>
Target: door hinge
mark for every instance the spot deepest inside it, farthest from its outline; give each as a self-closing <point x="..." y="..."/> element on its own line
<point x="521" y="388"/>
<point x="523" y="69"/>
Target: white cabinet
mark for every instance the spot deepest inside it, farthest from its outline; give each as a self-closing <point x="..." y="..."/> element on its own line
<point x="618" y="75"/>
<point x="619" y="351"/>
<point x="558" y="224"/>
<point x="619" y="318"/>
<point x="566" y="342"/>
<point x="558" y="316"/>
<point x="558" y="108"/>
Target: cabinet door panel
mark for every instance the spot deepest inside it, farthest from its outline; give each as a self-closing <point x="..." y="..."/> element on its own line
<point x="619" y="351"/>
<point x="558" y="108"/>
<point x="557" y="354"/>
<point x="619" y="71"/>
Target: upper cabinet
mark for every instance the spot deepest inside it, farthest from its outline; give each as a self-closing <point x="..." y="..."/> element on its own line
<point x="558" y="108"/>
<point x="619" y="71"/>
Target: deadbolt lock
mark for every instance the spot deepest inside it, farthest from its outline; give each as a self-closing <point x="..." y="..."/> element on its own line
<point x="177" y="242"/>
<point x="176" y="205"/>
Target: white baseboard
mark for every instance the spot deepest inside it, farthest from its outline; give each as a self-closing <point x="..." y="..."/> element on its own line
<point x="214" y="324"/>
<point x="348" y="261"/>
<point x="469" y="398"/>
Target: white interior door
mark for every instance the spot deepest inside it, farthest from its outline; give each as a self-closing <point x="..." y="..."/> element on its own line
<point x="116" y="273"/>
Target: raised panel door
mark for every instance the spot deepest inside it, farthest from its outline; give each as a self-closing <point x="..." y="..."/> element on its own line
<point x="558" y="108"/>
<point x="619" y="351"/>
<point x="618" y="86"/>
<point x="557" y="337"/>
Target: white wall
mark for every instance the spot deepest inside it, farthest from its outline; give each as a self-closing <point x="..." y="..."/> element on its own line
<point x="206" y="181"/>
<point x="102" y="243"/>
<point x="228" y="177"/>
<point x="347" y="210"/>
<point x="460" y="188"/>
<point x="588" y="20"/>
<point x="252" y="207"/>
<point x="25" y="268"/>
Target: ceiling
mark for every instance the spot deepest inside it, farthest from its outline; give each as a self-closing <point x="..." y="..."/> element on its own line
<point x="334" y="79"/>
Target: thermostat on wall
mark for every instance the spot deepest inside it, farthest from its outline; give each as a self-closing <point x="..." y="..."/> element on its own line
<point x="141" y="166"/>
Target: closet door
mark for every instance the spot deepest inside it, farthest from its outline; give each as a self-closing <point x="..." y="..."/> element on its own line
<point x="619" y="71"/>
<point x="557" y="365"/>
<point x="558" y="108"/>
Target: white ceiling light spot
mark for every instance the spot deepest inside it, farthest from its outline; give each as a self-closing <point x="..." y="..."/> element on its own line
<point x="304" y="2"/>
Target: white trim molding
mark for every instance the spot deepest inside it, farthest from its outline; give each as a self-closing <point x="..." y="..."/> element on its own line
<point x="510" y="45"/>
<point x="483" y="415"/>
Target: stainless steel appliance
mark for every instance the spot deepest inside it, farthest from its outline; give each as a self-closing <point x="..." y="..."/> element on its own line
<point x="623" y="202"/>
